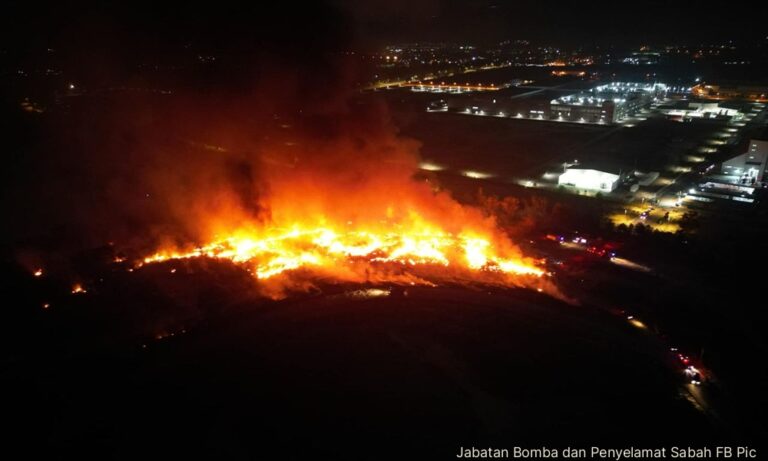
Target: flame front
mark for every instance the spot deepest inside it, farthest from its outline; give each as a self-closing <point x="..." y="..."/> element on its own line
<point x="273" y="252"/>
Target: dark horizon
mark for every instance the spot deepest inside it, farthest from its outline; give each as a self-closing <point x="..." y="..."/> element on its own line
<point x="340" y="25"/>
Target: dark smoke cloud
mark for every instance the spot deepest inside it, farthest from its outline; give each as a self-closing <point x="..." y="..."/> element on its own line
<point x="125" y="161"/>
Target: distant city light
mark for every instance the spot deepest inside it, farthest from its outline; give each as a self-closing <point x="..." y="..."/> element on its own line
<point x="431" y="166"/>
<point x="476" y="174"/>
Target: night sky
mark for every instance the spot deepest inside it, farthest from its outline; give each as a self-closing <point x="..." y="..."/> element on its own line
<point x="566" y="23"/>
<point x="345" y="23"/>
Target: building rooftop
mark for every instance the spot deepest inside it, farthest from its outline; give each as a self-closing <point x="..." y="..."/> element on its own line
<point x="617" y="92"/>
<point x="590" y="173"/>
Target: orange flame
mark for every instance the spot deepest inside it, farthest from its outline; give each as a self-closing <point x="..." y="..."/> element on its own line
<point x="349" y="211"/>
<point x="355" y="253"/>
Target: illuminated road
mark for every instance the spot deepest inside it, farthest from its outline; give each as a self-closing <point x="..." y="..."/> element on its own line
<point x="401" y="83"/>
<point x="698" y="397"/>
<point x="450" y="87"/>
<point x="630" y="265"/>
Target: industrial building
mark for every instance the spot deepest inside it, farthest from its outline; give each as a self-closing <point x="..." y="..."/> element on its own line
<point x="687" y="110"/>
<point x="589" y="179"/>
<point x="606" y="104"/>
<point x="643" y="57"/>
<point x="708" y="191"/>
<point x="740" y="177"/>
<point x="749" y="167"/>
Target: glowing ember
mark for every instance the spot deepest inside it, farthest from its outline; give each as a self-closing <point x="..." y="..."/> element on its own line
<point x="38" y="273"/>
<point x="368" y="293"/>
<point x="78" y="289"/>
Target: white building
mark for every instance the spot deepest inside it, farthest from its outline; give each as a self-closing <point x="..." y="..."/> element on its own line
<point x="589" y="179"/>
<point x="749" y="167"/>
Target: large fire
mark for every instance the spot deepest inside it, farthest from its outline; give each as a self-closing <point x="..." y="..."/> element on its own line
<point x="345" y="210"/>
<point x="275" y="251"/>
<point x="414" y="252"/>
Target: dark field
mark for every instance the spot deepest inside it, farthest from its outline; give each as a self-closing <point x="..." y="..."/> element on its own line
<point x="502" y="147"/>
<point x="651" y="145"/>
<point x="420" y="372"/>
